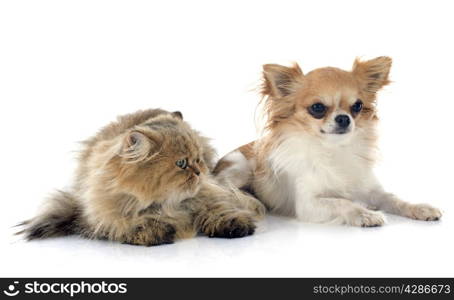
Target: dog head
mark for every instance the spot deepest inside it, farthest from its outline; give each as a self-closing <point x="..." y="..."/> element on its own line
<point x="328" y="103"/>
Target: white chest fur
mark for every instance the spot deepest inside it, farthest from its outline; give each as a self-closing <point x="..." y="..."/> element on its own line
<point x="302" y="167"/>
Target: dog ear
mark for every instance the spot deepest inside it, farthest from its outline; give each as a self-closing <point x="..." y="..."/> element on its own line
<point x="137" y="146"/>
<point x="279" y="81"/>
<point x="372" y="74"/>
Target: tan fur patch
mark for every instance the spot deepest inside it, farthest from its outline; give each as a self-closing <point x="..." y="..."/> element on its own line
<point x="221" y="165"/>
<point x="248" y="150"/>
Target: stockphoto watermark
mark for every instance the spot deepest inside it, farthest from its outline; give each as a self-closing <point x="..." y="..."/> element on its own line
<point x="35" y="287"/>
<point x="205" y="288"/>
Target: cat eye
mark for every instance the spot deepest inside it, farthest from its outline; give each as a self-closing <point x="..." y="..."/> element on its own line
<point x="357" y="107"/>
<point x="182" y="163"/>
<point x="317" y="110"/>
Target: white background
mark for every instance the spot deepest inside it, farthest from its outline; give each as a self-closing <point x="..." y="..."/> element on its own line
<point x="69" y="67"/>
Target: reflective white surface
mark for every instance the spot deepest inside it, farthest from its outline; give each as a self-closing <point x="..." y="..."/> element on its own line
<point x="281" y="247"/>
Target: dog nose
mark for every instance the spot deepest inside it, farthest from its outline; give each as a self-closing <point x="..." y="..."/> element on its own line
<point x="342" y="121"/>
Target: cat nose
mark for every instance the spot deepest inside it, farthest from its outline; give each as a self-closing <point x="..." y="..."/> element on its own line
<point x="195" y="170"/>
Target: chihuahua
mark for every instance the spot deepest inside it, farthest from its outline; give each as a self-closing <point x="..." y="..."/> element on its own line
<point x="315" y="157"/>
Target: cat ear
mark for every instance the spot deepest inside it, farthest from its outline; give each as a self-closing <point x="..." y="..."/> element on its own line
<point x="279" y="81"/>
<point x="372" y="74"/>
<point x="138" y="146"/>
<point x="178" y="114"/>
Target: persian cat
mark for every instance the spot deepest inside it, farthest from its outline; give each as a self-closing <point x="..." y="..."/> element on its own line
<point x="146" y="180"/>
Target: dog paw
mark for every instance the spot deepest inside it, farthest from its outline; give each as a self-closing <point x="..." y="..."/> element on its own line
<point x="257" y="207"/>
<point x="423" y="212"/>
<point x="366" y="218"/>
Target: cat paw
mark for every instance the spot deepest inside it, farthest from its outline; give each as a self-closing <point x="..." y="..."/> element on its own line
<point x="152" y="235"/>
<point x="423" y="212"/>
<point x="366" y="218"/>
<point x="235" y="227"/>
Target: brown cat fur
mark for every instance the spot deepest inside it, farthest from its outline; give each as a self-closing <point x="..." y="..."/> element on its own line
<point x="129" y="188"/>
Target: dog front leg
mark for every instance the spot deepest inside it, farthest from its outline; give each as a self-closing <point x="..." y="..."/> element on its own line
<point x="390" y="203"/>
<point x="336" y="211"/>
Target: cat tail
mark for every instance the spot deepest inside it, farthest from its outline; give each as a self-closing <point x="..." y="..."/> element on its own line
<point x="60" y="216"/>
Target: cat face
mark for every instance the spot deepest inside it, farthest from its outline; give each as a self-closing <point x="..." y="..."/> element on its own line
<point x="161" y="160"/>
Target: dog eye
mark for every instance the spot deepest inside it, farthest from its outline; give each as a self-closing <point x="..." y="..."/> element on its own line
<point x="317" y="110"/>
<point x="182" y="163"/>
<point x="357" y="107"/>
